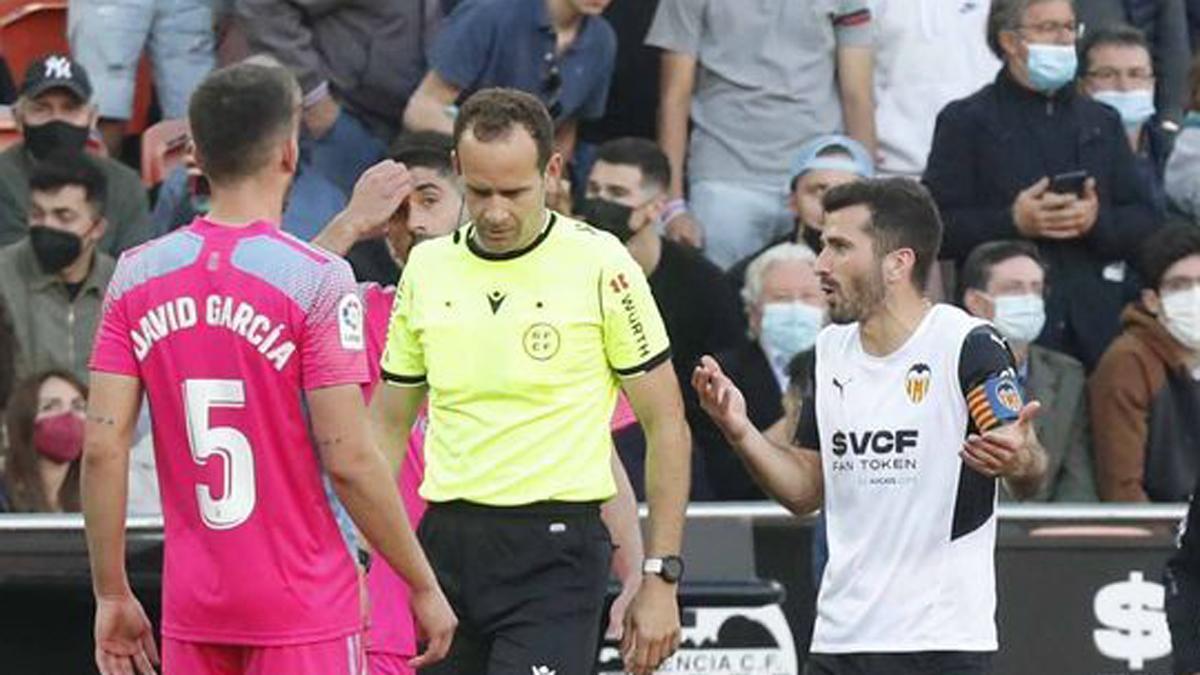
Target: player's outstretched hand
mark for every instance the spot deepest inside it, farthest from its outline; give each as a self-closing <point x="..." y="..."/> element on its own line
<point x="652" y="629"/>
<point x="720" y="398"/>
<point x="1005" y="451"/>
<point x="435" y="623"/>
<point x="124" y="637"/>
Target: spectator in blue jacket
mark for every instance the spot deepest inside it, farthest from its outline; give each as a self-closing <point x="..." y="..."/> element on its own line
<point x="996" y="153"/>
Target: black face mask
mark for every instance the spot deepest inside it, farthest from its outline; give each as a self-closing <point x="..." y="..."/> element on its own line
<point x="54" y="249"/>
<point x="608" y="216"/>
<point x="44" y="140"/>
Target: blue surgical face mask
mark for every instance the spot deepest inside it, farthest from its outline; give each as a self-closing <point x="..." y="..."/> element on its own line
<point x="1020" y="318"/>
<point x="789" y="328"/>
<point x="1051" y="67"/>
<point x="1135" y="106"/>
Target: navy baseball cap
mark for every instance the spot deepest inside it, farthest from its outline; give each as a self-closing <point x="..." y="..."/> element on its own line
<point x="56" y="71"/>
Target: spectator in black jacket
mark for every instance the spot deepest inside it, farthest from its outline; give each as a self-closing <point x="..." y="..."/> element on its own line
<point x="1116" y="70"/>
<point x="994" y="156"/>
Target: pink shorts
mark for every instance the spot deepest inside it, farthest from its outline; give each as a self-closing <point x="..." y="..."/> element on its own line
<point x="341" y="656"/>
<point x="389" y="664"/>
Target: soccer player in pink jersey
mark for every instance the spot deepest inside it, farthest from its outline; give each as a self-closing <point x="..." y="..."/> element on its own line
<point x="250" y="347"/>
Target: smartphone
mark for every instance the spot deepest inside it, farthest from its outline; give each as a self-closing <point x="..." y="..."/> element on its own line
<point x="1069" y="183"/>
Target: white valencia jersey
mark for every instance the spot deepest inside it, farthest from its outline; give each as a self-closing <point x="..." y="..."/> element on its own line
<point x="911" y="529"/>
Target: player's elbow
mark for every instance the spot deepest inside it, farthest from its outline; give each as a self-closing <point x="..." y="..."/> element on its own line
<point x="351" y="465"/>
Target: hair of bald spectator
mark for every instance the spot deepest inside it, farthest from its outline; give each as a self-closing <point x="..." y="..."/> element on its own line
<point x="491" y="114"/>
<point x="238" y="115"/>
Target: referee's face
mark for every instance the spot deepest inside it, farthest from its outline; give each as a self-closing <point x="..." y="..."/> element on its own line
<point x="850" y="272"/>
<point x="505" y="191"/>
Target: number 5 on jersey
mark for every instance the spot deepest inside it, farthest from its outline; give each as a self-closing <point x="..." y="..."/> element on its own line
<point x="230" y="445"/>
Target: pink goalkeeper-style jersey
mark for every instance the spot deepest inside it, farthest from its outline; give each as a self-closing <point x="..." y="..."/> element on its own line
<point x="226" y="328"/>
<point x="392" y="629"/>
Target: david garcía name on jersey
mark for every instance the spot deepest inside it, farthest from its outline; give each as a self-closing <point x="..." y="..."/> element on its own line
<point x="876" y="451"/>
<point x="220" y="311"/>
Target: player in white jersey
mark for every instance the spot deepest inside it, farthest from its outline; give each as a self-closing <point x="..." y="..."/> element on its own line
<point x="916" y="411"/>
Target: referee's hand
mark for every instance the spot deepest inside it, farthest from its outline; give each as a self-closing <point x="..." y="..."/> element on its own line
<point x="721" y="399"/>
<point x="652" y="629"/>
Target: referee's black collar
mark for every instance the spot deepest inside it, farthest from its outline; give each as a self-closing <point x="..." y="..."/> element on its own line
<point x="509" y="255"/>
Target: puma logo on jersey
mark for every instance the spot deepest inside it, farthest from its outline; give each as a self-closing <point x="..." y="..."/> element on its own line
<point x="880" y="442"/>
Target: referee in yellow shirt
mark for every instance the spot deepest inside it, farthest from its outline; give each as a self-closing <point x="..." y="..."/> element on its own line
<point x="520" y="328"/>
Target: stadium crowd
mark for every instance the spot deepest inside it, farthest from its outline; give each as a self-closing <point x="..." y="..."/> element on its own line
<point x="1060" y="140"/>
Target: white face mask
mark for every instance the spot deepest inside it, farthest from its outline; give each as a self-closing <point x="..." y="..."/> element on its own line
<point x="1181" y="316"/>
<point x="1020" y="318"/>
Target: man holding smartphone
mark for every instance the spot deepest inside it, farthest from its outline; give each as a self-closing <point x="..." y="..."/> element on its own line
<point x="1029" y="157"/>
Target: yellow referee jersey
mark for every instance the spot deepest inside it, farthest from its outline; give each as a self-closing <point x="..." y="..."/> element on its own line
<point x="521" y="352"/>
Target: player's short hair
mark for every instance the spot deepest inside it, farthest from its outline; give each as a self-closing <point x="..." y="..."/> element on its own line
<point x="903" y="215"/>
<point x="1165" y="248"/>
<point x="641" y="153"/>
<point x="426" y="149"/>
<point x="1007" y="15"/>
<point x="238" y="114"/>
<point x="70" y="168"/>
<point x="1114" y="35"/>
<point x="490" y="114"/>
<point x="757" y="269"/>
<point x="977" y="268"/>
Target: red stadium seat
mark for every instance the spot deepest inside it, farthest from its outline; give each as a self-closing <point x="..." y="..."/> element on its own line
<point x="30" y="29"/>
<point x="164" y="147"/>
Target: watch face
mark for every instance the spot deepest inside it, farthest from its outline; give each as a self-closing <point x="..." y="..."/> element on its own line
<point x="672" y="568"/>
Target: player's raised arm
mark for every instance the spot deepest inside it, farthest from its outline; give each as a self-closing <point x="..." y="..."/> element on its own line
<point x="791" y="475"/>
<point x="1002" y="441"/>
<point x="124" y="637"/>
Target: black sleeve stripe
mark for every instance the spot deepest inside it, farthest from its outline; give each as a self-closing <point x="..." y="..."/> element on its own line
<point x="404" y="380"/>
<point x="646" y="366"/>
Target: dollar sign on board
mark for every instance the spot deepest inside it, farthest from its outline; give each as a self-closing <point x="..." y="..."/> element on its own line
<point x="1136" y="629"/>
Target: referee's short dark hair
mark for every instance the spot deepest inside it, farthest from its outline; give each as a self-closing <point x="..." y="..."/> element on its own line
<point x="491" y="114"/>
<point x="641" y="153"/>
<point x="238" y="114"/>
<point x="903" y="215"/>
<point x="426" y="149"/>
<point x="1165" y="248"/>
<point x="977" y="268"/>
<point x="71" y="168"/>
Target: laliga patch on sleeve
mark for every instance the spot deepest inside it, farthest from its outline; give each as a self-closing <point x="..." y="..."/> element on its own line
<point x="350" y="322"/>
<point x="995" y="401"/>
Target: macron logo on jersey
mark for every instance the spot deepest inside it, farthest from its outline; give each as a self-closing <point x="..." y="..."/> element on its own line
<point x="350" y="322"/>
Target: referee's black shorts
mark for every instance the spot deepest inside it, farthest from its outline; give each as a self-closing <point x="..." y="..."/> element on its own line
<point x="527" y="583"/>
<point x="915" y="663"/>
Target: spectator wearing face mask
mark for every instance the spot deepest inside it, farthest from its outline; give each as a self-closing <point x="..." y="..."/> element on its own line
<point x="55" y="115"/>
<point x="1182" y="177"/>
<point x="45" y="420"/>
<point x="1027" y="157"/>
<point x="53" y="280"/>
<point x="1005" y="283"/>
<point x="823" y="162"/>
<point x="1117" y="70"/>
<point x="626" y="191"/>
<point x="1147" y="387"/>
<point x="786" y="310"/>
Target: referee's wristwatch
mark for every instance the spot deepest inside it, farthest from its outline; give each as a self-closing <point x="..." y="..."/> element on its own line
<point x="668" y="567"/>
